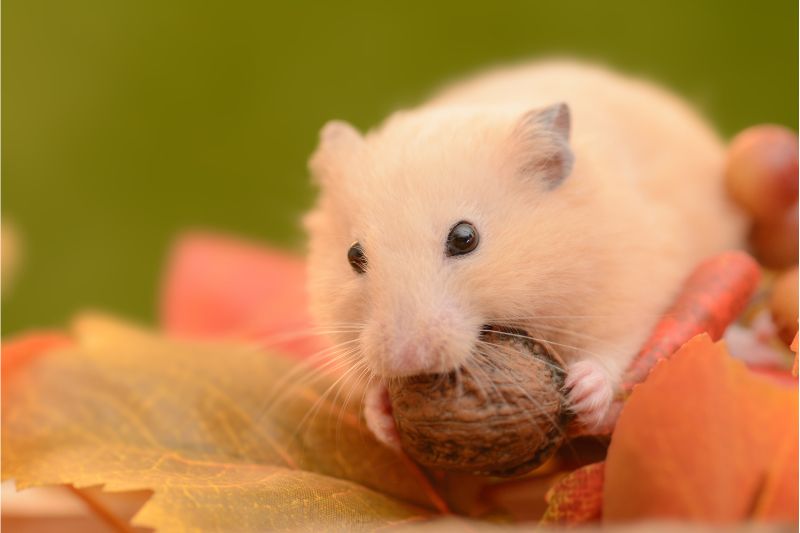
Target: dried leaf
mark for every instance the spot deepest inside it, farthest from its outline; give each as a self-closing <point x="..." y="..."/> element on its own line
<point x="577" y="498"/>
<point x="704" y="439"/>
<point x="131" y="411"/>
<point x="220" y="287"/>
<point x="30" y="345"/>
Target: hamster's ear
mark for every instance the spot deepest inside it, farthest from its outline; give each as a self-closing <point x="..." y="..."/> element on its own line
<point x="338" y="141"/>
<point x="541" y="140"/>
<point x="338" y="134"/>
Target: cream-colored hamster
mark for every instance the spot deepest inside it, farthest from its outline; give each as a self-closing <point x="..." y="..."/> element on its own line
<point x="554" y="200"/>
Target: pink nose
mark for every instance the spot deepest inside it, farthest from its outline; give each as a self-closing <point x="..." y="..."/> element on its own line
<point x="408" y="360"/>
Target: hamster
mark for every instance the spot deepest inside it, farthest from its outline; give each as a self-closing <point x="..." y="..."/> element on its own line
<point x="556" y="200"/>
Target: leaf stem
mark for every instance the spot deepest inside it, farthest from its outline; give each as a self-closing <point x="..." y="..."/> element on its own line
<point x="102" y="511"/>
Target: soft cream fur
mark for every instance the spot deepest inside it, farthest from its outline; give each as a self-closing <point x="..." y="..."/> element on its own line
<point x="587" y="265"/>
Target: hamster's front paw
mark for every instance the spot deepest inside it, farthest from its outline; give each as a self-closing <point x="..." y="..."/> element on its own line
<point x="378" y="415"/>
<point x="589" y="393"/>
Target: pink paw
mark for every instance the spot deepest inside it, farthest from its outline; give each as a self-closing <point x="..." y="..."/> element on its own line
<point x="589" y="393"/>
<point x="378" y="414"/>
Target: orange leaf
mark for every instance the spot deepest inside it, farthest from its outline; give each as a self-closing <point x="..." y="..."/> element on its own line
<point x="704" y="439"/>
<point x="22" y="349"/>
<point x="219" y="287"/>
<point x="577" y="498"/>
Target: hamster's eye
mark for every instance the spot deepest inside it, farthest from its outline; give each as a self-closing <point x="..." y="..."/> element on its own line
<point x="463" y="239"/>
<point x="357" y="258"/>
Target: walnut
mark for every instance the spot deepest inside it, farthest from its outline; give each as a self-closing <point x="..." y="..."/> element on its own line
<point x="503" y="414"/>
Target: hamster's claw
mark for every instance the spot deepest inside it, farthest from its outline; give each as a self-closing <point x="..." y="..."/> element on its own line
<point x="590" y="392"/>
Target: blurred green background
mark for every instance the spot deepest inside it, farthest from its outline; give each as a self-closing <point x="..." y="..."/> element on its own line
<point x="127" y="121"/>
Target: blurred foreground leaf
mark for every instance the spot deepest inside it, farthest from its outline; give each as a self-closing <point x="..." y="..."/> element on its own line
<point x="222" y="287"/>
<point x="193" y="423"/>
<point x="704" y="439"/>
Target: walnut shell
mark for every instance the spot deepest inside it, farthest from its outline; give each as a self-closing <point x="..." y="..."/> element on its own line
<point x="503" y="418"/>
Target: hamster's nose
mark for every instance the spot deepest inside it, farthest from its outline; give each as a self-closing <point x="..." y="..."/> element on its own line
<point x="409" y="343"/>
<point x="407" y="360"/>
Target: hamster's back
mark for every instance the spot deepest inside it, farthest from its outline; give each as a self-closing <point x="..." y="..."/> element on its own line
<point x="626" y="132"/>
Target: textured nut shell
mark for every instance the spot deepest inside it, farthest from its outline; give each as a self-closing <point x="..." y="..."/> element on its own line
<point x="504" y="419"/>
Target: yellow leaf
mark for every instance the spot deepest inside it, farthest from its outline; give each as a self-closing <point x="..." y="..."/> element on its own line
<point x="194" y="423"/>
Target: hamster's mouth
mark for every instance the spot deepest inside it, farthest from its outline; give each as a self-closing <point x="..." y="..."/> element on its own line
<point x="508" y="330"/>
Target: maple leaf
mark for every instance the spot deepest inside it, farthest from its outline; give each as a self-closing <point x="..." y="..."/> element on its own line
<point x="188" y="420"/>
<point x="706" y="439"/>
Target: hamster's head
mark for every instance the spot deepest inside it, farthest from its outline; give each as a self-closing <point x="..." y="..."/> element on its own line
<point x="441" y="223"/>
